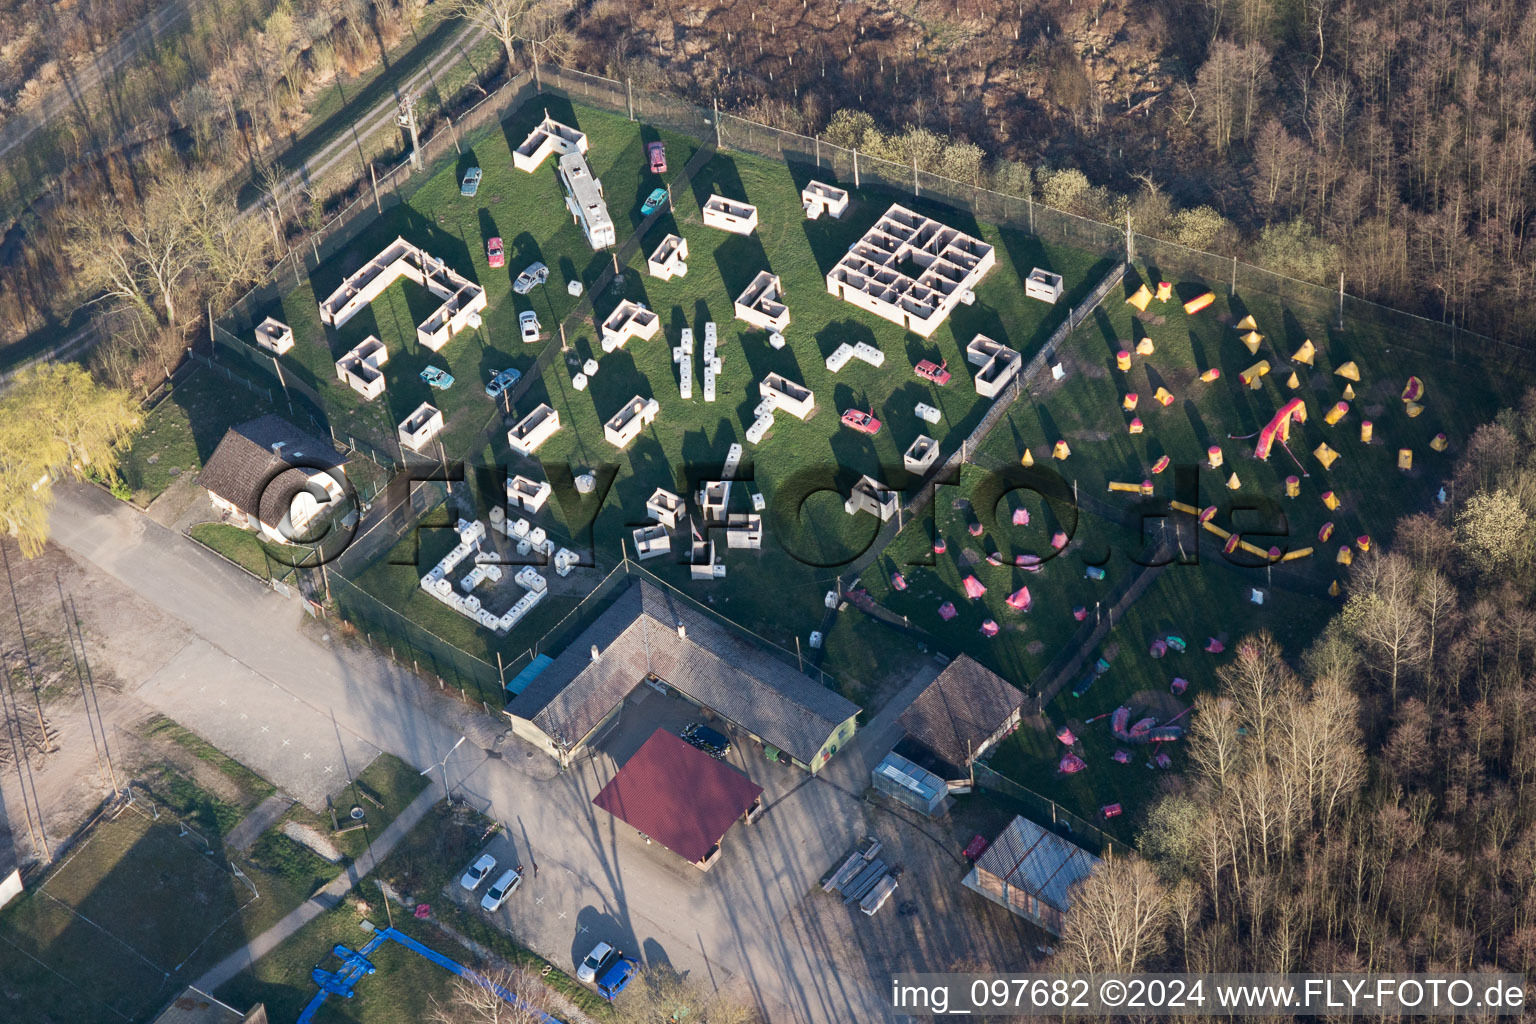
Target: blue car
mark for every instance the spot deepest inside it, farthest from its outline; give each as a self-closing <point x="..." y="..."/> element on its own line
<point x="653" y="202"/>
<point x="616" y="978"/>
<point x="471" y="183"/>
<point x="501" y="381"/>
<point x="434" y="377"/>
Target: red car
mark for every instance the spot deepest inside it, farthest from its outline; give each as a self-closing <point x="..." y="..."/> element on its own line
<point x="936" y="372"/>
<point x="863" y="422"/>
<point x="657" y="154"/>
<point x="494" y="254"/>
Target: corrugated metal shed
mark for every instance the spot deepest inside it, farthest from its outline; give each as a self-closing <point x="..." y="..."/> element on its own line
<point x="902" y="780"/>
<point x="1037" y="861"/>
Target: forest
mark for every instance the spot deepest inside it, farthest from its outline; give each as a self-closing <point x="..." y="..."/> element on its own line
<point x="1384" y="139"/>
<point x="1369" y="806"/>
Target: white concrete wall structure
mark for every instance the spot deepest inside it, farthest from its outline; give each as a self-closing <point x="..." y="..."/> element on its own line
<point x="999" y="364"/>
<point x="533" y="430"/>
<point x="762" y="304"/>
<point x="682" y="355"/>
<point x="819" y="198"/>
<point x="274" y="336"/>
<point x="361" y="369"/>
<point x="629" y="319"/>
<point x="528" y="494"/>
<point x="839" y="357"/>
<point x="548" y="136"/>
<point x="651" y="541"/>
<point x="744" y="531"/>
<point x="666" y="508"/>
<point x="927" y="413"/>
<point x="584" y="198"/>
<point x="625" y="425"/>
<point x="670" y="258"/>
<point x="462" y="298"/>
<point x="729" y="215"/>
<point x="438" y="582"/>
<point x="712" y="362"/>
<point x="869" y="354"/>
<point x="797" y="400"/>
<point x="420" y="427"/>
<point x="870" y="495"/>
<point x="923" y="453"/>
<point x="1043" y="285"/>
<point x="949" y="263"/>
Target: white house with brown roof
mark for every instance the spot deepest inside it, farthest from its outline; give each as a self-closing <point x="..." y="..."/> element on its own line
<point x="269" y="476"/>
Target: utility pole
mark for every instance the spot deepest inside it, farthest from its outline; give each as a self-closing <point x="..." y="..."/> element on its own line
<point x="407" y="119"/>
<point x="90" y="680"/>
<point x="26" y="654"/>
<point x="101" y="768"/>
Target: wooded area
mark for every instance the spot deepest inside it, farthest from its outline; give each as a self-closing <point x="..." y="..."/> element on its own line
<point x="1373" y="808"/>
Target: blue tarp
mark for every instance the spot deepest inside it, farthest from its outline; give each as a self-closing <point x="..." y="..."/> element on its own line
<point x="518" y="683"/>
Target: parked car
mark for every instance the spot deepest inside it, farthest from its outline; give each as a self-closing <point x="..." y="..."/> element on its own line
<point x="494" y="254"/>
<point x="500" y="381"/>
<point x="434" y="377"/>
<point x="500" y="889"/>
<point x="477" y="872"/>
<point x="863" y="422"/>
<point x="528" y="323"/>
<point x="616" y="978"/>
<point x="471" y="183"/>
<point x="535" y="275"/>
<point x="936" y="372"/>
<point x="656" y="153"/>
<point x="595" y="961"/>
<point x="653" y="202"/>
<point x="708" y="740"/>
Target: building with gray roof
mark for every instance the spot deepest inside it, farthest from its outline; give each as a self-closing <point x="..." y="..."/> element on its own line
<point x="1031" y="871"/>
<point x="650" y="635"/>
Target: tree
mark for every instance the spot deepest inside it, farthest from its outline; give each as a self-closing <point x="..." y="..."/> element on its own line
<point x="1384" y="612"/>
<point x="662" y="996"/>
<point x="55" y="422"/>
<point x="1493" y="532"/>
<point x="160" y="255"/>
<point x="474" y="1003"/>
<point x="1117" y="918"/>
<point x="537" y="24"/>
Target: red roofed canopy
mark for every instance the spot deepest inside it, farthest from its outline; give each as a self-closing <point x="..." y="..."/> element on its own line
<point x="678" y="795"/>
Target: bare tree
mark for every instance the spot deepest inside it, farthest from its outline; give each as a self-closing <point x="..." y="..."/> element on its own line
<point x="539" y="25"/>
<point x="1118" y="917"/>
<point x="474" y="1002"/>
<point x="1384" y="613"/>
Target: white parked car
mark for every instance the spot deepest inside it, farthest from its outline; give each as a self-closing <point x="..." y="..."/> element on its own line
<point x="531" y="278"/>
<point x="528" y="323"/>
<point x="477" y="872"/>
<point x="587" y="970"/>
<point x="503" y="887"/>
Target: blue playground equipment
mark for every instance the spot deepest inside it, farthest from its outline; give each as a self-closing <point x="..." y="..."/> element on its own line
<point x="355" y="965"/>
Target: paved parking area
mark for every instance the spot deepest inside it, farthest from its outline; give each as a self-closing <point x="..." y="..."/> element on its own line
<point x="259" y="723"/>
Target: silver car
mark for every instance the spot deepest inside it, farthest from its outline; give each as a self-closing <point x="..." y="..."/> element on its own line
<point x="587" y="970"/>
<point x="528" y="324"/>
<point x="500" y="889"/>
<point x="531" y="278"/>
<point x="483" y="866"/>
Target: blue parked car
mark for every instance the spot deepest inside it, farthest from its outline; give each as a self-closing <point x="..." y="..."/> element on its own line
<point x="653" y="202"/>
<point x="471" y="183"/>
<point x="502" y="381"/>
<point x="617" y="978"/>
<point x="434" y="377"/>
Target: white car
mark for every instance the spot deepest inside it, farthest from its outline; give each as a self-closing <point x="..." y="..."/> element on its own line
<point x="477" y="872"/>
<point x="531" y="278"/>
<point x="587" y="971"/>
<point x="528" y="323"/>
<point x="503" y="887"/>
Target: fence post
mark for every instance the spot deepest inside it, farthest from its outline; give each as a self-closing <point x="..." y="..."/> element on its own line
<point x="374" y="177"/>
<point x="1233" y="289"/>
<point x="1341" y="309"/>
<point x="629" y="99"/>
<point x="856" y="171"/>
<point x="719" y="143"/>
<point x="915" y="192"/>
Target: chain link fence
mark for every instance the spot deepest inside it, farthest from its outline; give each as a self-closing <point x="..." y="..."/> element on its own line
<point x="1044" y="811"/>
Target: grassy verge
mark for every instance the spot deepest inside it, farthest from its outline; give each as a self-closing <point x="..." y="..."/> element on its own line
<point x="256" y="787"/>
<point x="181" y="432"/>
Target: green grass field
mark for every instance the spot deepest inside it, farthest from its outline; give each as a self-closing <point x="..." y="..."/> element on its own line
<point x="800" y="468"/>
